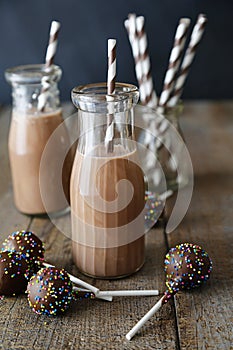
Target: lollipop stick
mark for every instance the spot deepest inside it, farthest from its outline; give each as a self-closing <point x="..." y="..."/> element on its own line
<point x="144" y="319"/>
<point x="163" y="196"/>
<point x="78" y="289"/>
<point x="124" y="293"/>
<point x="83" y="284"/>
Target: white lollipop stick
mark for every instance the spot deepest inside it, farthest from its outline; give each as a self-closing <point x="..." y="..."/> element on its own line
<point x="83" y="284"/>
<point x="81" y="289"/>
<point x="163" y="196"/>
<point x="144" y="319"/>
<point x="125" y="293"/>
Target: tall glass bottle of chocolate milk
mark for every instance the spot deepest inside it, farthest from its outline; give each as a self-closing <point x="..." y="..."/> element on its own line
<point x="107" y="187"/>
<point x="36" y="115"/>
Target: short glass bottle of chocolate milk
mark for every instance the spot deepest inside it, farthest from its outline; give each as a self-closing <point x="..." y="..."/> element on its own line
<point x="107" y="187"/>
<point x="36" y="114"/>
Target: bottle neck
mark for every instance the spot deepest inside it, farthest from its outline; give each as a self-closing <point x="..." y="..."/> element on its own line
<point x="34" y="88"/>
<point x="94" y="126"/>
<point x="105" y="117"/>
<point x="26" y="97"/>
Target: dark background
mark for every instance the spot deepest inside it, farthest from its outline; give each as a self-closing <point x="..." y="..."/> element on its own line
<point x="86" y="25"/>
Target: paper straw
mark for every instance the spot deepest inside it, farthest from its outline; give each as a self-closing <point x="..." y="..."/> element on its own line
<point x="145" y="318"/>
<point x="125" y="293"/>
<point x="111" y="90"/>
<point x="138" y="41"/>
<point x="44" y="94"/>
<point x="174" y="60"/>
<point x="52" y="45"/>
<point x="49" y="58"/>
<point x="196" y="36"/>
<point x="148" y="96"/>
<point x="130" y="25"/>
<point x="82" y="283"/>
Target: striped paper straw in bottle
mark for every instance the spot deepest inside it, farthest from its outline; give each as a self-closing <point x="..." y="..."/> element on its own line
<point x="174" y="60"/>
<point x="52" y="46"/>
<point x="148" y="96"/>
<point x="130" y="25"/>
<point x="111" y="90"/>
<point x="190" y="53"/>
<point x="49" y="58"/>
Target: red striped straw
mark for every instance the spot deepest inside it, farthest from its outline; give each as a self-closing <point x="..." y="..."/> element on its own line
<point x="111" y="78"/>
<point x="174" y="60"/>
<point x="49" y="58"/>
<point x="138" y="41"/>
<point x="196" y="36"/>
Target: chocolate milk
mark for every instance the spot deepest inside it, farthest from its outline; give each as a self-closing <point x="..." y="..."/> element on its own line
<point x="104" y="238"/>
<point x="28" y="136"/>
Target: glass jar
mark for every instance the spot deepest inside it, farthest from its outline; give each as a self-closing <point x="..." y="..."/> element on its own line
<point x="36" y="113"/>
<point x="107" y="184"/>
<point x="166" y="161"/>
<point x="172" y="154"/>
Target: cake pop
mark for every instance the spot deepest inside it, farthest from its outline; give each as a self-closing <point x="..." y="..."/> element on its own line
<point x="13" y="273"/>
<point x="187" y="266"/>
<point x="31" y="248"/>
<point x="28" y="244"/>
<point x="81" y="294"/>
<point x="50" y="291"/>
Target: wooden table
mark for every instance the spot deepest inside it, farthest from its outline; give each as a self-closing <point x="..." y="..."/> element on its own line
<point x="201" y="319"/>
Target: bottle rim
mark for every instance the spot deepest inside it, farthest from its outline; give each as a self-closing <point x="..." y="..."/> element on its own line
<point x="32" y="73"/>
<point x="98" y="92"/>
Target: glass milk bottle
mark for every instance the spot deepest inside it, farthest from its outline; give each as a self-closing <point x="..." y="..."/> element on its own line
<point x="107" y="187"/>
<point x="173" y="153"/>
<point x="36" y="114"/>
<point x="165" y="157"/>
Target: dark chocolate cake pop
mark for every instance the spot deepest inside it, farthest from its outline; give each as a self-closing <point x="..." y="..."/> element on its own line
<point x="25" y="242"/>
<point x="28" y="244"/>
<point x="186" y="266"/>
<point x="13" y="273"/>
<point x="49" y="291"/>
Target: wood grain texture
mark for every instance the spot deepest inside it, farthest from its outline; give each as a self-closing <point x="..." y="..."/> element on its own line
<point x="200" y="319"/>
<point x="204" y="316"/>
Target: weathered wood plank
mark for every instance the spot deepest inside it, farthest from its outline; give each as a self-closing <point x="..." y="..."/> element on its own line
<point x="90" y="324"/>
<point x="113" y="320"/>
<point x="94" y="324"/>
<point x="204" y="316"/>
